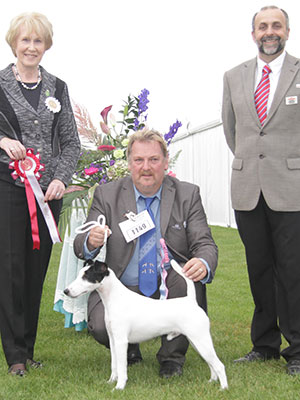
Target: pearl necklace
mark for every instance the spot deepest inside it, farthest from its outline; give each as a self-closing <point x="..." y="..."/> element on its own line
<point x="24" y="84"/>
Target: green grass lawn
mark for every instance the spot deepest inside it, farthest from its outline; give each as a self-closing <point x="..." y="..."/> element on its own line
<point x="77" y="368"/>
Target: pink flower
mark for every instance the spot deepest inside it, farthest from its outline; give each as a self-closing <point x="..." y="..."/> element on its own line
<point x="105" y="112"/>
<point x="172" y="174"/>
<point x="91" y="170"/>
<point x="104" y="128"/>
<point x="106" y="147"/>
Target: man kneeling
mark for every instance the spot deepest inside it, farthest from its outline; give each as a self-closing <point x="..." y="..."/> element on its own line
<point x="176" y="210"/>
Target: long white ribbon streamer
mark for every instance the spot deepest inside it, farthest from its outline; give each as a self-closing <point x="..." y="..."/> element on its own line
<point x="45" y="209"/>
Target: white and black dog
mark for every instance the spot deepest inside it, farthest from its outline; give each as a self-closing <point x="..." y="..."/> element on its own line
<point x="133" y="318"/>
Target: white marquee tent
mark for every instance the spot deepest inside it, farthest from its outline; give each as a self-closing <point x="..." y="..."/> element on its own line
<point x="206" y="160"/>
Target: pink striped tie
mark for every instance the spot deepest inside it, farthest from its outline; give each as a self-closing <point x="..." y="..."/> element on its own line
<point x="262" y="94"/>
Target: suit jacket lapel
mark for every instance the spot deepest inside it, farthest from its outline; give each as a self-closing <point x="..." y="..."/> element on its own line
<point x="48" y="89"/>
<point x="290" y="68"/>
<point x="128" y="196"/>
<point x="166" y="205"/>
<point x="12" y="88"/>
<point x="248" y="76"/>
<point x="129" y="204"/>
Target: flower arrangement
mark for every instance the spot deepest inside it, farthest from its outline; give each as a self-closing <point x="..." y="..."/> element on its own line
<point x="107" y="160"/>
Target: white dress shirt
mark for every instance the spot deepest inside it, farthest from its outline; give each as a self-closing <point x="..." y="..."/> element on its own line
<point x="275" y="66"/>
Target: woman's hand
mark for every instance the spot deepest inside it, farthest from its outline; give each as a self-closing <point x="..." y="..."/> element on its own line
<point x="55" y="190"/>
<point x="13" y="148"/>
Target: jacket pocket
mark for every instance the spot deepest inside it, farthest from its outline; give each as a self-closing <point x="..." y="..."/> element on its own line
<point x="293" y="163"/>
<point x="237" y="164"/>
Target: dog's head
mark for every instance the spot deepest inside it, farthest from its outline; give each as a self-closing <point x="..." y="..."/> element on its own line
<point x="88" y="279"/>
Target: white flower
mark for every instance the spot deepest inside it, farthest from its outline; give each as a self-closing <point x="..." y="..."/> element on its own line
<point x="118" y="170"/>
<point x="53" y="104"/>
<point x="119" y="153"/>
<point x="125" y="142"/>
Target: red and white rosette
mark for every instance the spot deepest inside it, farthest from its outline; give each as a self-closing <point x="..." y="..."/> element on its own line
<point x="28" y="170"/>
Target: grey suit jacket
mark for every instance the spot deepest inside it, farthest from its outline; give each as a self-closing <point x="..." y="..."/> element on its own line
<point x="266" y="159"/>
<point x="183" y="222"/>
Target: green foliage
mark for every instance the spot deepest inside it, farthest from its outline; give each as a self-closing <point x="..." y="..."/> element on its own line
<point x="172" y="161"/>
<point x="71" y="200"/>
<point x="133" y="117"/>
<point x="77" y="367"/>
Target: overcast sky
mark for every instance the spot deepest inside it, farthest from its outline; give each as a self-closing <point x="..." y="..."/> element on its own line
<point x="177" y="49"/>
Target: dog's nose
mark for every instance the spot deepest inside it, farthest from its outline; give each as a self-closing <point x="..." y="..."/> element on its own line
<point x="66" y="292"/>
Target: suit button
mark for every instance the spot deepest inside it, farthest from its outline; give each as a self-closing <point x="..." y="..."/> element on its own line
<point x="262" y="133"/>
<point x="261" y="156"/>
<point x="36" y="122"/>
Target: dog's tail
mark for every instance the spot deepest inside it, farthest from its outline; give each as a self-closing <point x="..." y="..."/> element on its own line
<point x="190" y="284"/>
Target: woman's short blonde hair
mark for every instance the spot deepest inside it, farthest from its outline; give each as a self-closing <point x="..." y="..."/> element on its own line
<point x="147" y="135"/>
<point x="33" y="22"/>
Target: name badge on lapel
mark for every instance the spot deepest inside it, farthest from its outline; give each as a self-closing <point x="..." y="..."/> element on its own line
<point x="136" y="225"/>
<point x="291" y="100"/>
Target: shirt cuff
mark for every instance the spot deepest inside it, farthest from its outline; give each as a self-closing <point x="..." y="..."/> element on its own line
<point x="89" y="254"/>
<point x="207" y="278"/>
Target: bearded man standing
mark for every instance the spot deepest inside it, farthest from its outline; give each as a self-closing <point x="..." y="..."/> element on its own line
<point x="261" y="118"/>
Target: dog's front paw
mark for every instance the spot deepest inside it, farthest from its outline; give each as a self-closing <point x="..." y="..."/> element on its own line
<point x="213" y="377"/>
<point x="113" y="378"/>
<point x="120" y="385"/>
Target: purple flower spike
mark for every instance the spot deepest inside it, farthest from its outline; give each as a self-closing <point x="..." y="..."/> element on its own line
<point x="143" y="101"/>
<point x="172" y="132"/>
<point x="136" y="124"/>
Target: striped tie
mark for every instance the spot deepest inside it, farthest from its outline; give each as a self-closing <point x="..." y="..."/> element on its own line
<point x="148" y="256"/>
<point x="262" y="94"/>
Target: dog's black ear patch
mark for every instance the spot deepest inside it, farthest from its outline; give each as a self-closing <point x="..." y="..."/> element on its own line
<point x="88" y="262"/>
<point x="97" y="271"/>
<point x="101" y="267"/>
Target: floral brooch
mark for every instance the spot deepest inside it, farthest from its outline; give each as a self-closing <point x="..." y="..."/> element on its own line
<point x="53" y="104"/>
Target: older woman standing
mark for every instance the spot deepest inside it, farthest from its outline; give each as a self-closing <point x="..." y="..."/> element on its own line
<point x="35" y="113"/>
